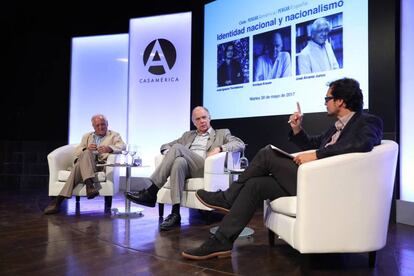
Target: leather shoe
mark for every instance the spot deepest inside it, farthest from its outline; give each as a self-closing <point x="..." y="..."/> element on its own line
<point x="170" y="222"/>
<point x="142" y="197"/>
<point x="91" y="191"/>
<point x="213" y="247"/>
<point x="136" y="193"/>
<point x="214" y="200"/>
<point x="54" y="206"/>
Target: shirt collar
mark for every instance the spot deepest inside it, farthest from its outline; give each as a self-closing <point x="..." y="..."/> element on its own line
<point x="107" y="132"/>
<point x="208" y="132"/>
<point x="318" y="45"/>
<point x="342" y="121"/>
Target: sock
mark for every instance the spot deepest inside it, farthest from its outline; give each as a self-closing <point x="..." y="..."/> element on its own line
<point x="88" y="182"/>
<point x="59" y="199"/>
<point x="153" y="189"/>
<point x="175" y="209"/>
<point x="223" y="239"/>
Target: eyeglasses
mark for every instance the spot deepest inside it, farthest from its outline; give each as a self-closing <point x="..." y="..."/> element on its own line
<point x="328" y="98"/>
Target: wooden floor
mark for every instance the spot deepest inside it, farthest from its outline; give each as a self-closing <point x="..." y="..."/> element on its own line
<point x="92" y="243"/>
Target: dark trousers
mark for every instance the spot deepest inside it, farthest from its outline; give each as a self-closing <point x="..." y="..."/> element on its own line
<point x="270" y="175"/>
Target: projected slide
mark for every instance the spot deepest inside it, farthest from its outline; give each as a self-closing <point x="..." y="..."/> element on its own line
<point x="259" y="60"/>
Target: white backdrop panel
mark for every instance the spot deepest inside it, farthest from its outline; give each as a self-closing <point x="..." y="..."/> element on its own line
<point x="159" y="81"/>
<point x="99" y="74"/>
<point x="406" y="103"/>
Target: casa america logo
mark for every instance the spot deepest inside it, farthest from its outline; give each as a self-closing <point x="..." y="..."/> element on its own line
<point x="159" y="56"/>
<point x="159" y="59"/>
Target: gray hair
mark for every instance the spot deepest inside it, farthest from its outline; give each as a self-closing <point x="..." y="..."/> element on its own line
<point x="205" y="109"/>
<point x="320" y="22"/>
<point x="99" y="116"/>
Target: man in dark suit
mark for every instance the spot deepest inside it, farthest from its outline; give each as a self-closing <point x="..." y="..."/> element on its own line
<point x="272" y="175"/>
<point x="184" y="158"/>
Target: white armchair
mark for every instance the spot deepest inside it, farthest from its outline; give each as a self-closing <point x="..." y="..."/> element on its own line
<point x="342" y="204"/>
<point x="215" y="178"/>
<point x="60" y="162"/>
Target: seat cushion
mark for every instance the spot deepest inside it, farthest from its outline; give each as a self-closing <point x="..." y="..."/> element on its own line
<point x="192" y="184"/>
<point x="285" y="205"/>
<point x="63" y="176"/>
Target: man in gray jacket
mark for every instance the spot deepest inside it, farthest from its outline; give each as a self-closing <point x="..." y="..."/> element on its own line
<point x="184" y="158"/>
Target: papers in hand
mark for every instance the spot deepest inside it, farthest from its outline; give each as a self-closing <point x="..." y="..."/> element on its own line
<point x="282" y="152"/>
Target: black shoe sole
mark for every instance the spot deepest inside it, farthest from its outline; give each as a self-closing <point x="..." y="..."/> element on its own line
<point x="92" y="196"/>
<point x="220" y="254"/>
<point x="222" y="209"/>
<point x="51" y="212"/>
<point x="148" y="204"/>
<point x="170" y="227"/>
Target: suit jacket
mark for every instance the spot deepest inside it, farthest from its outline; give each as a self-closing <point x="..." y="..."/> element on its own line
<point x="112" y="139"/>
<point x="360" y="134"/>
<point x="219" y="137"/>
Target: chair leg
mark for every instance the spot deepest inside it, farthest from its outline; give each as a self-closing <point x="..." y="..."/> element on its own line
<point x="77" y="199"/>
<point x="161" y="210"/>
<point x="209" y="217"/>
<point x="271" y="236"/>
<point x="372" y="256"/>
<point x="108" y="204"/>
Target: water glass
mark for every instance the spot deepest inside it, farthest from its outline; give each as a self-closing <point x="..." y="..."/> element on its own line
<point x="125" y="154"/>
<point x="244" y="162"/>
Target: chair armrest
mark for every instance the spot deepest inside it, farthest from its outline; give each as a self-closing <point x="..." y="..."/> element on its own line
<point x="113" y="158"/>
<point x="326" y="185"/>
<point x="215" y="163"/>
<point x="60" y="159"/>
